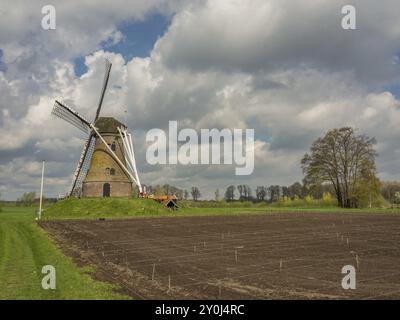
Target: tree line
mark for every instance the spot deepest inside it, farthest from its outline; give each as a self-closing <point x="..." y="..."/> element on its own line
<point x="341" y="163"/>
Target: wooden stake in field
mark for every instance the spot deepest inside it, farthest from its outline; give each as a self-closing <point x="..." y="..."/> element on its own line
<point x="280" y="265"/>
<point x="169" y="283"/>
<point x="236" y="256"/>
<point x="357" y="261"/>
<point x="154" y="270"/>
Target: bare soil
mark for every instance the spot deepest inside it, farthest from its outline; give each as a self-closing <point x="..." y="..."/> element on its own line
<point x="271" y="256"/>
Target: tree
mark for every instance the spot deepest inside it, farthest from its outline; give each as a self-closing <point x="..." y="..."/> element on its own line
<point x="149" y="189"/>
<point x="217" y="196"/>
<point x="195" y="193"/>
<point x="158" y="190"/>
<point x="241" y="191"/>
<point x="247" y="193"/>
<point x="389" y="189"/>
<point x="296" y="189"/>
<point x="367" y="192"/>
<point x="27" y="199"/>
<point x="285" y="192"/>
<point x="261" y="193"/>
<point x="396" y="198"/>
<point x="176" y="191"/>
<point x="230" y="193"/>
<point x="244" y="192"/>
<point x="166" y="189"/>
<point x="274" y="193"/>
<point x="186" y="194"/>
<point x="343" y="159"/>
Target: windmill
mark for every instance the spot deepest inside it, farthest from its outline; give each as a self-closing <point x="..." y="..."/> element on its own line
<point x="107" y="165"/>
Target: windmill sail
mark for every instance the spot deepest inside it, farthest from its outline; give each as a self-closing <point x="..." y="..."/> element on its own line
<point x="103" y="89"/>
<point x="83" y="166"/>
<point x="68" y="114"/>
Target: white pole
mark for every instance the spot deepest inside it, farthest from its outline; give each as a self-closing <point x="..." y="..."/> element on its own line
<point x="41" y="191"/>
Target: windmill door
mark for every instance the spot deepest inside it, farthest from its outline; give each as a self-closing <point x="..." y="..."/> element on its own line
<point x="106" y="190"/>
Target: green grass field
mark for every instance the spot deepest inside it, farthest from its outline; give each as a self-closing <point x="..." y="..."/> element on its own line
<point x="25" y="249"/>
<point x="126" y="208"/>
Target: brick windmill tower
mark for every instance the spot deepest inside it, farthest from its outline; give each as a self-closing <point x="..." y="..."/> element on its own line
<point x="107" y="166"/>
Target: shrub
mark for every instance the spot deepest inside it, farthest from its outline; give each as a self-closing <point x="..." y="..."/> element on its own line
<point x="327" y="200"/>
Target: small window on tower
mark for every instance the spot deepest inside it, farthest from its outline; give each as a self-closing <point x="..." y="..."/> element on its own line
<point x="113" y="146"/>
<point x="112" y="171"/>
<point x="108" y="171"/>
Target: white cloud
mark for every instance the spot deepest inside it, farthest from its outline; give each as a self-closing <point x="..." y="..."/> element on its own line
<point x="284" y="68"/>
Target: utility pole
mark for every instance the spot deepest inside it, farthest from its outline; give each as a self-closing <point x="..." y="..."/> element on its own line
<point x="41" y="192"/>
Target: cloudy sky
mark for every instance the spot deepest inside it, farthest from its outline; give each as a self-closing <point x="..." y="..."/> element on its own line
<point x="285" y="68"/>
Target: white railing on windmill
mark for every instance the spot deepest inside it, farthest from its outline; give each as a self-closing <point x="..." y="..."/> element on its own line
<point x="68" y="114"/>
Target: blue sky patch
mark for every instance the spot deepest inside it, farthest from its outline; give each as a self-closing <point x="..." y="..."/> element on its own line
<point x="139" y="39"/>
<point x="394" y="89"/>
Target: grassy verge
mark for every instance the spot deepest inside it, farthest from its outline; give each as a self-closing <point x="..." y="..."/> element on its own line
<point x="104" y="207"/>
<point x="125" y="208"/>
<point x="25" y="249"/>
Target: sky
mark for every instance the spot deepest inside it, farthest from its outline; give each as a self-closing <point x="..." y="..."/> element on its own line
<point x="285" y="68"/>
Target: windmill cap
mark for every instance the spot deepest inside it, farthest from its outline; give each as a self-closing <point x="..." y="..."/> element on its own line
<point x="108" y="125"/>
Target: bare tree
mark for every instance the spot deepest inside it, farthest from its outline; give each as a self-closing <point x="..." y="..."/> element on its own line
<point x="240" y="188"/>
<point x="261" y="193"/>
<point x="217" y="196"/>
<point x="343" y="159"/>
<point x="195" y="193"/>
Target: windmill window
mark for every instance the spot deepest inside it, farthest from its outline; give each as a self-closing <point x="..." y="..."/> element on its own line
<point x="113" y="147"/>
<point x="112" y="171"/>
